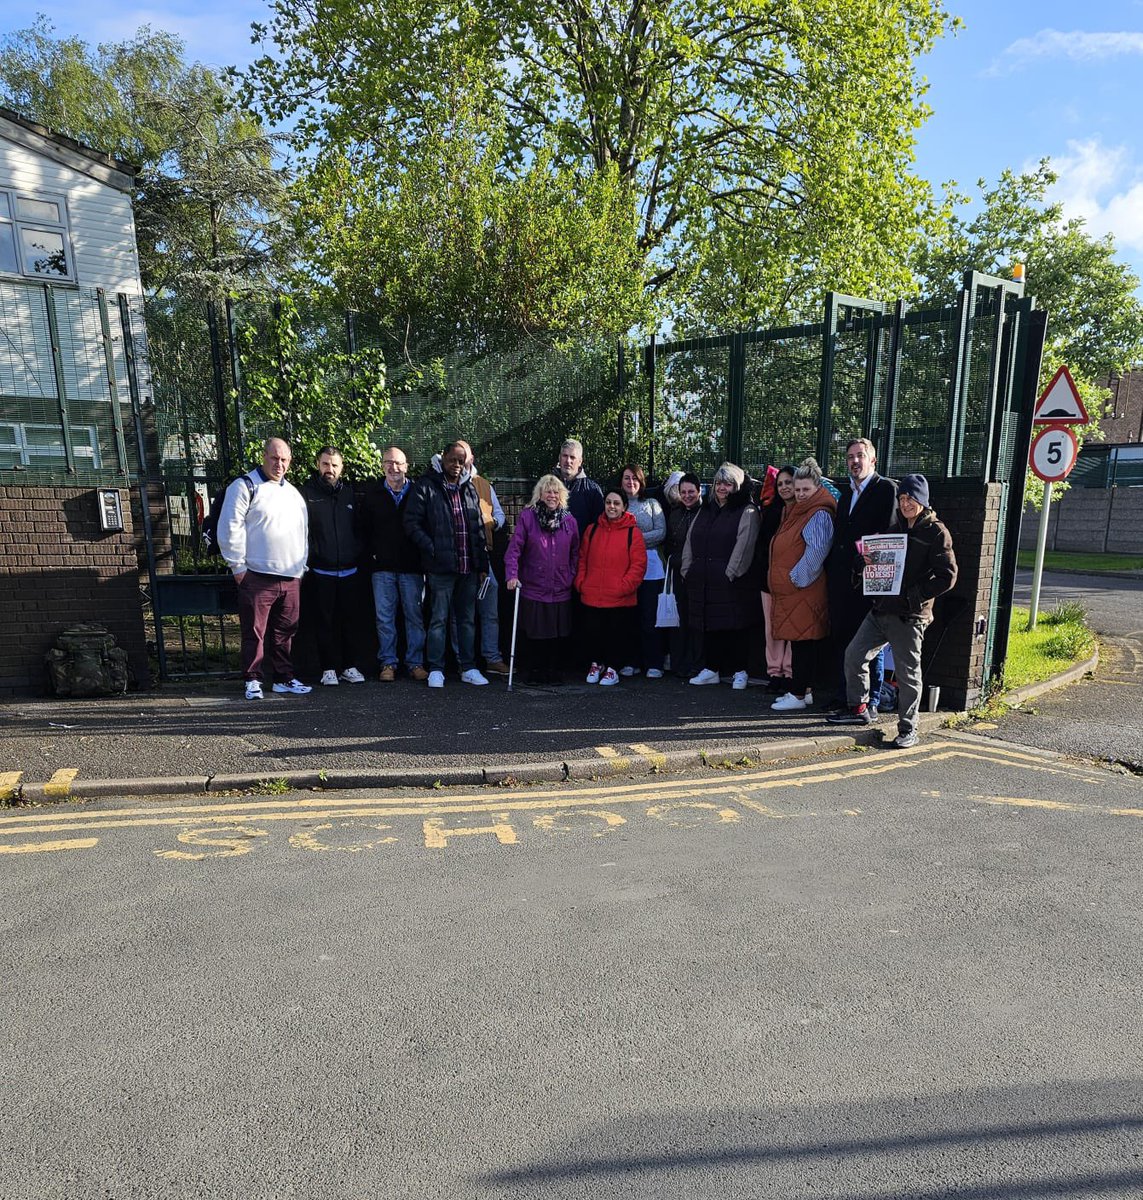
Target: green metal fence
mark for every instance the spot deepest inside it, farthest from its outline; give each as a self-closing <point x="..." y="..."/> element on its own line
<point x="65" y="397"/>
<point x="939" y="390"/>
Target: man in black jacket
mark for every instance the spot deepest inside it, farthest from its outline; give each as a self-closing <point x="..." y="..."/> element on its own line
<point x="866" y="508"/>
<point x="398" y="581"/>
<point x="331" y="580"/>
<point x="899" y="620"/>
<point x="443" y="519"/>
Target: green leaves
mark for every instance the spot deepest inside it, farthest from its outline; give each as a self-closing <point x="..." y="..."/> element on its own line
<point x="698" y="164"/>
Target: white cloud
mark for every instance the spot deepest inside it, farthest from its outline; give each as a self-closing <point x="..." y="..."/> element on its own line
<point x="1103" y="185"/>
<point x="1076" y="46"/>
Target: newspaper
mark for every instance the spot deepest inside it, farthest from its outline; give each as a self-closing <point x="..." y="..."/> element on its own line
<point x="882" y="577"/>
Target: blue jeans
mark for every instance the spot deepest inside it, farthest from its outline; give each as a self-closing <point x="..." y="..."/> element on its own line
<point x="390" y="590"/>
<point x="488" y="611"/>
<point x="455" y="594"/>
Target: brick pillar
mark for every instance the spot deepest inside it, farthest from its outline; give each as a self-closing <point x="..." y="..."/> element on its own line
<point x="954" y="646"/>
<point x="58" y="568"/>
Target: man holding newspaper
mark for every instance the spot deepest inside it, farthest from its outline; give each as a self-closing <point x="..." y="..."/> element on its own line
<point x="905" y="570"/>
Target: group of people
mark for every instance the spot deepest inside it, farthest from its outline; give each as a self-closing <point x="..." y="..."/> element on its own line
<point x="769" y="566"/>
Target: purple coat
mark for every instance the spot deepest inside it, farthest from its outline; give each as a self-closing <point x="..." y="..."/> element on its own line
<point x="545" y="563"/>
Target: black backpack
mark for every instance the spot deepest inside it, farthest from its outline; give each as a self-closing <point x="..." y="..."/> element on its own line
<point x="208" y="531"/>
<point x="85" y="661"/>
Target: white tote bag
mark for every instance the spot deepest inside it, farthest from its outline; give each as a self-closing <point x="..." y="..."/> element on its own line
<point x="667" y="612"/>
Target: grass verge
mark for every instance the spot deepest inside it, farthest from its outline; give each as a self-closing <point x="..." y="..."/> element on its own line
<point x="1061" y="638"/>
<point x="1069" y="560"/>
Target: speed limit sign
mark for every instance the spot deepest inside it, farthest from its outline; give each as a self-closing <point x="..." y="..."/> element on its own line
<point x="1053" y="453"/>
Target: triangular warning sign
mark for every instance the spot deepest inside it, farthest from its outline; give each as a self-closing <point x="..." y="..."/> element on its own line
<point x="1060" y="402"/>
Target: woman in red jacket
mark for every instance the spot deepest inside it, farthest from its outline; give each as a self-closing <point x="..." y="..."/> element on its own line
<point x="612" y="560"/>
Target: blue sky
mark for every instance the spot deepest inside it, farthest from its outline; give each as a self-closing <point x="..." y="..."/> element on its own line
<point x="1025" y="79"/>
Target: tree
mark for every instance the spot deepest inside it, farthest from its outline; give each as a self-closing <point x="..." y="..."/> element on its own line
<point x="754" y="146"/>
<point x="1095" y="319"/>
<point x="209" y="197"/>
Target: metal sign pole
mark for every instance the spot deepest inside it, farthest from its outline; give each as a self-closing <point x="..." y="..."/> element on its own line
<point x="1038" y="569"/>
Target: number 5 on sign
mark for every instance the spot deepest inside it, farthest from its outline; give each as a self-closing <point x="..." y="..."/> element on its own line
<point x="1053" y="453"/>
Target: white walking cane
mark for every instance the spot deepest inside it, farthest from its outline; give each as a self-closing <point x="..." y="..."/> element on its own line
<point x="515" y="619"/>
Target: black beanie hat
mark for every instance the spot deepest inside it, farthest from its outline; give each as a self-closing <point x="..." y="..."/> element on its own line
<point x="916" y="486"/>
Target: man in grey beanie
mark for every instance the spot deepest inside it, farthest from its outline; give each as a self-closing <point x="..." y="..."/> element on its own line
<point x="900" y="621"/>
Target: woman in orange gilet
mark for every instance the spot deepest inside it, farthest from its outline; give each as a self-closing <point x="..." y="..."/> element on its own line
<point x="798" y="597"/>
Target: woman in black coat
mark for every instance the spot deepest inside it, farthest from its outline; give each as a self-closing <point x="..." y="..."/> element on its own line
<point x="683" y="503"/>
<point x="723" y="592"/>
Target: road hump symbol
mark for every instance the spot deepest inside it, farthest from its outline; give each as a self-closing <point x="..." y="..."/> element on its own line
<point x="1060" y="402"/>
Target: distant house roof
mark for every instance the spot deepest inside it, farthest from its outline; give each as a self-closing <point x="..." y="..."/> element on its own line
<point x="68" y="151"/>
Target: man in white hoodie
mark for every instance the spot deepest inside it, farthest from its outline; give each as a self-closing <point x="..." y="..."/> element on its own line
<point x="263" y="534"/>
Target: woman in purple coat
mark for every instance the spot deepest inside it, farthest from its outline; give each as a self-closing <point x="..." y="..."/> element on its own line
<point x="541" y="561"/>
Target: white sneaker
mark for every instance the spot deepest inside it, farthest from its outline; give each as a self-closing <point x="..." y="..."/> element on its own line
<point x="294" y="688"/>
<point x="329" y="678"/>
<point x="609" y="678"/>
<point x="788" y="703"/>
<point x="473" y="676"/>
<point x="739" y="681"/>
<point x="627" y="672"/>
<point x="809" y="697"/>
<point x="654" y="673"/>
<point x="706" y="675"/>
<point x="594" y="674"/>
<point x="253" y="690"/>
<point x="352" y="675"/>
<point x="436" y="679"/>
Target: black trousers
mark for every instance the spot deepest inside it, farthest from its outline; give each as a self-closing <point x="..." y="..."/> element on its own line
<point x="609" y="635"/>
<point x="336" y="603"/>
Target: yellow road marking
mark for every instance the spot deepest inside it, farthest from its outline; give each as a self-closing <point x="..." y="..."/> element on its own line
<point x="226" y="845"/>
<point x="307" y="839"/>
<point x="59" y="786"/>
<point x="657" y="760"/>
<point x="771" y="777"/>
<point x="615" y="760"/>
<point x="9" y="784"/>
<point x="35" y="847"/>
<point x="610" y="820"/>
<point x="324" y="807"/>
<point x="437" y="836"/>
<point x="1058" y="805"/>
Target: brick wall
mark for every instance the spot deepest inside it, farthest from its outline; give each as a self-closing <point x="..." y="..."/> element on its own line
<point x="1123" y="423"/>
<point x="58" y="568"/>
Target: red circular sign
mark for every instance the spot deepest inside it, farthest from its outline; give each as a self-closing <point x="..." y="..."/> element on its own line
<point x="1053" y="453"/>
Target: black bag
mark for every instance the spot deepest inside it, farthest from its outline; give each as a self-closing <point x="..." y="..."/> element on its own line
<point x="208" y="531"/>
<point x="85" y="661"/>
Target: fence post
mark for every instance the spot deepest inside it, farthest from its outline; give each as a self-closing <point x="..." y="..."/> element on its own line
<point x="825" y="388"/>
<point x="892" y="383"/>
<point x="235" y="377"/>
<point x="61" y="381"/>
<point x="351" y="349"/>
<point x="219" y="388"/>
<point x="144" y="479"/>
<point x="649" y="366"/>
<point x="112" y="383"/>
<point x="1029" y="352"/>
<point x="954" y="447"/>
<point x="736" y="397"/>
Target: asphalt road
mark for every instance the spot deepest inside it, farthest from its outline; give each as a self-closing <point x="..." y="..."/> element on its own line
<point x="867" y="977"/>
<point x="1100" y="717"/>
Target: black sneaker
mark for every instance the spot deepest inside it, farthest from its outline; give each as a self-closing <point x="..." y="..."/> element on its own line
<point x="851" y="716"/>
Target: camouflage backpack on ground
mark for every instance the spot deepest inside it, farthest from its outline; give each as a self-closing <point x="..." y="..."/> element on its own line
<point x="85" y="661"/>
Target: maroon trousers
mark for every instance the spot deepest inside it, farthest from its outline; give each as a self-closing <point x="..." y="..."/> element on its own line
<point x="268" y="608"/>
